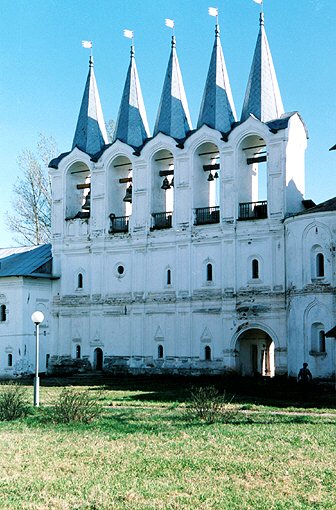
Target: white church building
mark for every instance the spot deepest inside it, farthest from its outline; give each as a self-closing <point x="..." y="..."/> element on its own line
<point x="191" y="251"/>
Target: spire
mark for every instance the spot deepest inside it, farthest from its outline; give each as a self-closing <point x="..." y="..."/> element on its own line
<point x="90" y="135"/>
<point x="217" y="108"/>
<point x="173" y="117"/>
<point x="262" y="97"/>
<point x="132" y="126"/>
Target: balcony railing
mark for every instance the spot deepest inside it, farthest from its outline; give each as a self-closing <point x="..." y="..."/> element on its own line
<point x="205" y="215"/>
<point x="162" y="220"/>
<point x="118" y="224"/>
<point x="253" y="210"/>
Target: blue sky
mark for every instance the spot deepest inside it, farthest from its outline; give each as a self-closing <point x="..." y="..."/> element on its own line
<point x="44" y="67"/>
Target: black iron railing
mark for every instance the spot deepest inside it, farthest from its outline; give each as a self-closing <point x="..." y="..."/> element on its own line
<point x="118" y="224"/>
<point x="205" y="215"/>
<point x="162" y="220"/>
<point x="253" y="210"/>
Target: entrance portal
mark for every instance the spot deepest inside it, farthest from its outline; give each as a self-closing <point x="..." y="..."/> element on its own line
<point x="98" y="359"/>
<point x="256" y="353"/>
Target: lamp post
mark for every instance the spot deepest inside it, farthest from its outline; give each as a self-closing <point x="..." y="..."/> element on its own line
<point x="37" y="318"/>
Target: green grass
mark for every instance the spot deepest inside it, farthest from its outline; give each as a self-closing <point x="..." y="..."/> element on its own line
<point x="143" y="453"/>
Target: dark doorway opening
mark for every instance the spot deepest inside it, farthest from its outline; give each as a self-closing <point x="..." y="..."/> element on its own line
<point x="98" y="359"/>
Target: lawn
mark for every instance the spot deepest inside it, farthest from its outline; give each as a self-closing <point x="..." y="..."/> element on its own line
<point x="145" y="453"/>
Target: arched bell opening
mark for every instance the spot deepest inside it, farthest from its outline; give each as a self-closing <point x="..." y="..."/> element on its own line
<point x="120" y="194"/>
<point x="252" y="178"/>
<point x="256" y="353"/>
<point x="162" y="189"/>
<point x="206" y="184"/>
<point x="78" y="191"/>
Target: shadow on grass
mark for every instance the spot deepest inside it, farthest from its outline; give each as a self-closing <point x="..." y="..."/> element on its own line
<point x="118" y="423"/>
<point x="278" y="392"/>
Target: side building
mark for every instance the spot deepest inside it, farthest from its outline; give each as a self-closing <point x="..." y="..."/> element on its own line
<point x="25" y="286"/>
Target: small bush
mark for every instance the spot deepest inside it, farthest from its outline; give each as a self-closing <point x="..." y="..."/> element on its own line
<point x="76" y="406"/>
<point x="13" y="402"/>
<point x="207" y="404"/>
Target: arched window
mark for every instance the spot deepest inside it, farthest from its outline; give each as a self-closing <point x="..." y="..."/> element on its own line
<point x="209" y="272"/>
<point x="80" y="281"/>
<point x="160" y="351"/>
<point x="78" y="351"/>
<point x="10" y="360"/>
<point x="319" y="265"/>
<point x="2" y="313"/>
<point x="207" y="353"/>
<point x="255" y="269"/>
<point x="318" y="342"/>
<point x="322" y="342"/>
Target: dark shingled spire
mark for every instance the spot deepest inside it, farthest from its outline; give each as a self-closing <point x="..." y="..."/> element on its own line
<point x="262" y="98"/>
<point x="132" y="126"/>
<point x="217" y="108"/>
<point x="173" y="117"/>
<point x="90" y="135"/>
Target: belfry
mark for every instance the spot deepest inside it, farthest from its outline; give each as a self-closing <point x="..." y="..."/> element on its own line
<point x="192" y="250"/>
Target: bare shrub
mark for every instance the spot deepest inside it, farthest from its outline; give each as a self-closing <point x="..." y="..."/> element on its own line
<point x="75" y="405"/>
<point x="13" y="402"/>
<point x="208" y="404"/>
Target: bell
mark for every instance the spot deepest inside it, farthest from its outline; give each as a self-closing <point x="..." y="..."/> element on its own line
<point x="165" y="184"/>
<point x="216" y="175"/>
<point x="128" y="196"/>
<point x="210" y="178"/>
<point x="86" y="205"/>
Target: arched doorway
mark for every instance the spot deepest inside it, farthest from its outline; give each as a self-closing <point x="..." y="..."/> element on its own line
<point x="256" y="353"/>
<point x="98" y="359"/>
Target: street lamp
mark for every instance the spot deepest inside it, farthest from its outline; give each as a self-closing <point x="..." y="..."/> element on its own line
<point x="37" y="318"/>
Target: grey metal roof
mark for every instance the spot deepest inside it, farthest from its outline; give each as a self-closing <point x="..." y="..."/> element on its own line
<point x="90" y="134"/>
<point x="327" y="206"/>
<point x="262" y="97"/>
<point x="173" y="118"/>
<point x="132" y="126"/>
<point x="26" y="261"/>
<point x="217" y="108"/>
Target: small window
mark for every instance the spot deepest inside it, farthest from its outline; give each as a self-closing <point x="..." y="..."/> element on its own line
<point x="3" y="313"/>
<point x="160" y="351"/>
<point x="47" y="360"/>
<point x="10" y="360"/>
<point x="78" y="351"/>
<point x="120" y="270"/>
<point x="209" y="272"/>
<point x="207" y="353"/>
<point x="80" y="281"/>
<point x="168" y="277"/>
<point x="319" y="265"/>
<point x="322" y="342"/>
<point x="255" y="269"/>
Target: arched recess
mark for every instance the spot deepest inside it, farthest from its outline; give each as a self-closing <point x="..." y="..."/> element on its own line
<point x="255" y="349"/>
<point x="317" y="317"/>
<point x="316" y="238"/>
<point x="206" y="184"/>
<point x="317" y="338"/>
<point x="78" y="191"/>
<point x="252" y="178"/>
<point x="317" y="262"/>
<point x="120" y="193"/>
<point x="162" y="199"/>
